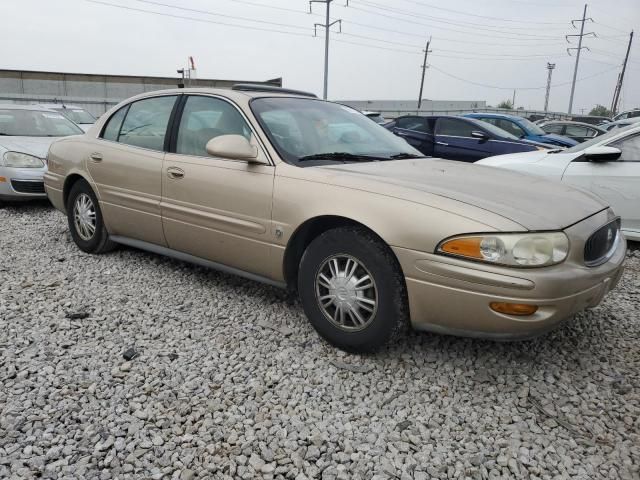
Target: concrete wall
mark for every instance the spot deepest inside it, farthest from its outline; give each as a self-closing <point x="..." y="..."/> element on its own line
<point x="95" y="93"/>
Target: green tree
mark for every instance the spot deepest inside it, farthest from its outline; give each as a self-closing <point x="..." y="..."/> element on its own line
<point x="506" y="104"/>
<point x="600" y="111"/>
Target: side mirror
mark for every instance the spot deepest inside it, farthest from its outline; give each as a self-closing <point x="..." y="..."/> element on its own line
<point x="479" y="135"/>
<point x="601" y="153"/>
<point x="235" y="147"/>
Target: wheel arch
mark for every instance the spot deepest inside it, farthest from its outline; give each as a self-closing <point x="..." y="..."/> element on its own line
<point x="69" y="182"/>
<point x="306" y="233"/>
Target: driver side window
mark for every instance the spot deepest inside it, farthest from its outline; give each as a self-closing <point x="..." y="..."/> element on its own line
<point x="630" y="147"/>
<point x="511" y="127"/>
<point x="204" y="118"/>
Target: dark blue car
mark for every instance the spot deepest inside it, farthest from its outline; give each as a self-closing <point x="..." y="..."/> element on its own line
<point x="458" y="138"/>
<point x="523" y="128"/>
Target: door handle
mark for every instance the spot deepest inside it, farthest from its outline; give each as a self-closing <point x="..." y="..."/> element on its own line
<point x="442" y="143"/>
<point x="175" y="172"/>
<point x="96" y="157"/>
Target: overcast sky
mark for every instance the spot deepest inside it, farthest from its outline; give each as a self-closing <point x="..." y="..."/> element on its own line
<point x="498" y="43"/>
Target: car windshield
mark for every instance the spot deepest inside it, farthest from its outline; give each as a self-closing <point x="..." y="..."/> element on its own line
<point x="497" y="131"/>
<point x="531" y="127"/>
<point x="300" y="128"/>
<point x="77" y="115"/>
<point x="35" y="123"/>
<point x="594" y="141"/>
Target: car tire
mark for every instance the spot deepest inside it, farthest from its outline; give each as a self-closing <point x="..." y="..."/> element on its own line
<point x="85" y="220"/>
<point x="349" y="311"/>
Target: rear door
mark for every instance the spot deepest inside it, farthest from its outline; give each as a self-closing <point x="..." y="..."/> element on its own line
<point x="417" y="132"/>
<point x="125" y="163"/>
<point x="617" y="182"/>
<point x="454" y="141"/>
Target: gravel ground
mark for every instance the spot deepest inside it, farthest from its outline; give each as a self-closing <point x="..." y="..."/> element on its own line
<point x="228" y="380"/>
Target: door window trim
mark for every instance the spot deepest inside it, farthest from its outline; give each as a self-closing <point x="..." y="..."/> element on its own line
<point x="175" y="127"/>
<point x="128" y="106"/>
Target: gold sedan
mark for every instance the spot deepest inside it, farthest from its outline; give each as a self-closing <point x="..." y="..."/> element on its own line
<point x="281" y="187"/>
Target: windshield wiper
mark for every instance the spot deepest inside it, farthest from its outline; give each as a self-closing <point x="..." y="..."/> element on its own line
<point x="339" y="156"/>
<point x="402" y="156"/>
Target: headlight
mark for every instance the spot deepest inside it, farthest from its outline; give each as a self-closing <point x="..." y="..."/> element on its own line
<point x="512" y="249"/>
<point x="21" y="160"/>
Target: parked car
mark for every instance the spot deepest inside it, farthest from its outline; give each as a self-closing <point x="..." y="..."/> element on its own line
<point x="25" y="135"/>
<point x="590" y="119"/>
<point x="633" y="113"/>
<point x="608" y="165"/>
<point x="76" y="114"/>
<point x="578" y="131"/>
<point x="457" y="138"/>
<point x="620" y="123"/>
<point x="522" y="128"/>
<point x="370" y="233"/>
<point x="375" y="116"/>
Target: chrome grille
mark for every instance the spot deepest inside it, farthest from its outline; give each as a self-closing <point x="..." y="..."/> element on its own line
<point x="601" y="245"/>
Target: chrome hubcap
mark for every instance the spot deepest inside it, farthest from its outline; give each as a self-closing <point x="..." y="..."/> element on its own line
<point x="346" y="293"/>
<point x="84" y="216"/>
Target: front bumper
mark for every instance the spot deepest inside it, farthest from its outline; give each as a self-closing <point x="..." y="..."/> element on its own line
<point x="22" y="183"/>
<point x="449" y="295"/>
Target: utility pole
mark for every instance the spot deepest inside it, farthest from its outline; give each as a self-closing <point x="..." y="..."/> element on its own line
<point x="424" y="69"/>
<point x="327" y="28"/>
<point x="550" y="67"/>
<point x="513" y="102"/>
<point x="579" y="49"/>
<point x="618" y="89"/>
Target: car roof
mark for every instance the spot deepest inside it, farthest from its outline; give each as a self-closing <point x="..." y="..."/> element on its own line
<point x="58" y="105"/>
<point x="16" y="106"/>
<point x="569" y="122"/>
<point x="494" y="115"/>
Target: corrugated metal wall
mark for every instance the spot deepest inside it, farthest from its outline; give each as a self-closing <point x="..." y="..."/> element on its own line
<point x="95" y="93"/>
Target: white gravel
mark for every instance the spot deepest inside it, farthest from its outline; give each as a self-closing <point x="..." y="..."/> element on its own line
<point x="226" y="379"/>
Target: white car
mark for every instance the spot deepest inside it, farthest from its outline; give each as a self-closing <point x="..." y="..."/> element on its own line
<point x="26" y="132"/>
<point x="608" y="165"/>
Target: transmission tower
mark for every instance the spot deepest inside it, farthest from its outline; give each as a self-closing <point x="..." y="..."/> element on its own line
<point x="327" y="29"/>
<point x="582" y="21"/>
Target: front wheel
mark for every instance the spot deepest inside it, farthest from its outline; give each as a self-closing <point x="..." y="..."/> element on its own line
<point x="352" y="289"/>
<point x="85" y="220"/>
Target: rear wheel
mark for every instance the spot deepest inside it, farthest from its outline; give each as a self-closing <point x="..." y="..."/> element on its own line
<point x="85" y="220"/>
<point x="352" y="289"/>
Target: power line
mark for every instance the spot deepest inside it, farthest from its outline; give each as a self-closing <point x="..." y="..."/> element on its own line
<point x="201" y="20"/>
<point x="495" y="87"/>
<point x="412" y="14"/>
<point x="208" y="12"/>
<point x="438" y="27"/>
<point x="528" y="22"/>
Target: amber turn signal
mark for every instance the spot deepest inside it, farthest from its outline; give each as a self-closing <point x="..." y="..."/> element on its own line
<point x="521" y="309"/>
<point x="465" y="247"/>
<point x="3" y="179"/>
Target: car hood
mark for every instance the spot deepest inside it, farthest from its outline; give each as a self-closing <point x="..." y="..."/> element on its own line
<point x="36" y="146"/>
<point x="555" y="138"/>
<point x="531" y="201"/>
<point x="510" y="158"/>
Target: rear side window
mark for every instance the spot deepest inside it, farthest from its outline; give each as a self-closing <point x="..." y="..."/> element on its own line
<point x="204" y="118"/>
<point x="510" y="127"/>
<point x="454" y="127"/>
<point x="112" y="129"/>
<point x="145" y="124"/>
<point x="416" y="124"/>
<point x="553" y="129"/>
<point x="578" y="131"/>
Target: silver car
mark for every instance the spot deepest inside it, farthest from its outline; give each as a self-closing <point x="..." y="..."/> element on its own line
<point x="26" y="132"/>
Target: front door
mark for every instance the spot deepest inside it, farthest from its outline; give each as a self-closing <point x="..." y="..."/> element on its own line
<point x="617" y="182"/>
<point x="454" y="141"/>
<point x="125" y="163"/>
<point x="417" y="133"/>
<point x="216" y="208"/>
